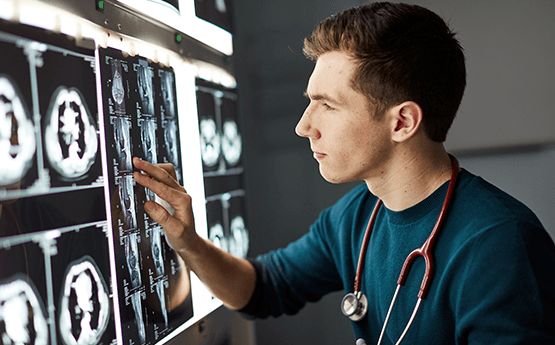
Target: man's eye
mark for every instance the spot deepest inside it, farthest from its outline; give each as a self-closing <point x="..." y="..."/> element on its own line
<point x="327" y="106"/>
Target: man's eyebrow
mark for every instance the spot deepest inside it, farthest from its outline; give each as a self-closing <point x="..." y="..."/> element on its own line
<point x="318" y="97"/>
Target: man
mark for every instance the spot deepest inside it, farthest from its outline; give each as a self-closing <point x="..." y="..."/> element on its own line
<point x="387" y="83"/>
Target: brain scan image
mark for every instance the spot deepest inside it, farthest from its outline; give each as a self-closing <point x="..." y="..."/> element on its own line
<point x="231" y="143"/>
<point x="210" y="144"/>
<point x="70" y="134"/>
<point x="122" y="138"/>
<point x="145" y="88"/>
<point x="168" y="93"/>
<point x="132" y="258"/>
<point x="239" y="238"/>
<point x="22" y="319"/>
<point x="127" y="201"/>
<point x="217" y="236"/>
<point x="17" y="135"/>
<point x="84" y="309"/>
<point x="118" y="91"/>
<point x="137" y="308"/>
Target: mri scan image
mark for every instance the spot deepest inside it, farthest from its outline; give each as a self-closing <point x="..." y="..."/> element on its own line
<point x="150" y="150"/>
<point x="127" y="201"/>
<point x="132" y="257"/>
<point x="210" y="143"/>
<point x="231" y="143"/>
<point x="137" y="308"/>
<point x="170" y="140"/>
<point x="118" y="91"/>
<point x="22" y="318"/>
<point x="17" y="135"/>
<point x="168" y="94"/>
<point x="156" y="248"/>
<point x="239" y="238"/>
<point x="148" y="140"/>
<point x="122" y="138"/>
<point x="85" y="306"/>
<point x="145" y="87"/>
<point x="70" y="134"/>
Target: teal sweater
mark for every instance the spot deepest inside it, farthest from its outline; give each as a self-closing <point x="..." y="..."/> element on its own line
<point x="494" y="277"/>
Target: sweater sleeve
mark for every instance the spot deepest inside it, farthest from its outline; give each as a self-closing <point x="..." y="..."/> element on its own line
<point x="302" y="272"/>
<point x="507" y="296"/>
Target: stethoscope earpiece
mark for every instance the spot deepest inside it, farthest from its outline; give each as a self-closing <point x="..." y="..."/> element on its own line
<point x="354" y="305"/>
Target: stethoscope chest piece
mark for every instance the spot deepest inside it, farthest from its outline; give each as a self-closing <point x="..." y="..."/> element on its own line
<point x="354" y="305"/>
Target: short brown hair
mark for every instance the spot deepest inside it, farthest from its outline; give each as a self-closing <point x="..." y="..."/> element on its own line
<point x="403" y="53"/>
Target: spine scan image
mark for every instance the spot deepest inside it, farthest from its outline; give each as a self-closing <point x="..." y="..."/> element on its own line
<point x="118" y="91"/>
<point x="122" y="138"/>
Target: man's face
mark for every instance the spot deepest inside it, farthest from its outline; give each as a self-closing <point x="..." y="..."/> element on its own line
<point x="347" y="142"/>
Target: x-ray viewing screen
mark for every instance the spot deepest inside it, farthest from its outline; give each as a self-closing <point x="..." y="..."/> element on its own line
<point x="140" y="117"/>
<point x="218" y="12"/>
<point x="222" y="159"/>
<point x="80" y="260"/>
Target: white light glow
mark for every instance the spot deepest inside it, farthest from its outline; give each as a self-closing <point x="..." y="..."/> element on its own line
<point x="7" y="10"/>
<point x="37" y="15"/>
<point x="186" y="21"/>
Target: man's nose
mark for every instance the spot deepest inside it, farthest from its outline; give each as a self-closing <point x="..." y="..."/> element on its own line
<point x="305" y="128"/>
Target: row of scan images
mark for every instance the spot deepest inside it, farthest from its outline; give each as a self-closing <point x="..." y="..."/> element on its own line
<point x="59" y="148"/>
<point x="56" y="270"/>
<point x="220" y="138"/>
<point x="48" y="98"/>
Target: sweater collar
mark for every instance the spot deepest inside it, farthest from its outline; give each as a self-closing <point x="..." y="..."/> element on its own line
<point x="433" y="202"/>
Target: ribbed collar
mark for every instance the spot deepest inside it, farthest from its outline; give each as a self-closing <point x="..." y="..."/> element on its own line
<point x="423" y="208"/>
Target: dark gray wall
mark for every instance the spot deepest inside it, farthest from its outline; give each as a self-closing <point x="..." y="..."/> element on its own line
<point x="285" y="190"/>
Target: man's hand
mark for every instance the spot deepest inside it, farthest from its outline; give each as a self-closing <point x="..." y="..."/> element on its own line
<point x="229" y="278"/>
<point x="161" y="179"/>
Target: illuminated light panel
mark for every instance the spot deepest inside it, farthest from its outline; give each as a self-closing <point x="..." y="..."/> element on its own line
<point x="7" y="11"/>
<point x="37" y="15"/>
<point x="187" y="22"/>
<point x="69" y="26"/>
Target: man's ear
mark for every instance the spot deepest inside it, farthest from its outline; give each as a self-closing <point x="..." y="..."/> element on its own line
<point x="406" y="120"/>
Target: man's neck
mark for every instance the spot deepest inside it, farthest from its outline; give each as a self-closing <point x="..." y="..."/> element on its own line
<point x="412" y="177"/>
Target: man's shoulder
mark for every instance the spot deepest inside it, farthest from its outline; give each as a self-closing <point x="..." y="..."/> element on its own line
<point x="479" y="201"/>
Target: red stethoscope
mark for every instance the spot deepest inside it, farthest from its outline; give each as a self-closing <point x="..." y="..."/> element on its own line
<point x="355" y="304"/>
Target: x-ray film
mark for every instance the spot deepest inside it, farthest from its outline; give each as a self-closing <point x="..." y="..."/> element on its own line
<point x="52" y="202"/>
<point x="226" y="222"/>
<point x="154" y="285"/>
<point x="220" y="136"/>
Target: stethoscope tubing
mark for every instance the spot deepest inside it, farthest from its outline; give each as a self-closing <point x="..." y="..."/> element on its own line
<point x="424" y="252"/>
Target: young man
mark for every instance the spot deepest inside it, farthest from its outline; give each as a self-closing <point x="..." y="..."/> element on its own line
<point x="387" y="83"/>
